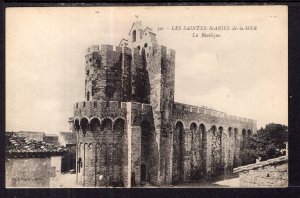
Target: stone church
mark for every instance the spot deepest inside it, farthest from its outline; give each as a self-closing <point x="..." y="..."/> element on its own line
<point x="131" y="132"/>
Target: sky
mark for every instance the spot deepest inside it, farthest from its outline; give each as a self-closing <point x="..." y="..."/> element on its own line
<point x="242" y="73"/>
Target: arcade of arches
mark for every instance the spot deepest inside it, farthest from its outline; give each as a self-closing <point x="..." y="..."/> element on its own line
<point x="105" y="142"/>
<point x="198" y="151"/>
<point x="201" y="151"/>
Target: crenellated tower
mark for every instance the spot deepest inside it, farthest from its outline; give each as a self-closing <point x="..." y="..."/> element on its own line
<point x="160" y="65"/>
<point x="129" y="129"/>
<point x="138" y="71"/>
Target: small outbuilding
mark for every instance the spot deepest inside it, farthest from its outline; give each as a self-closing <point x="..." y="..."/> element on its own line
<point x="68" y="140"/>
<point x="32" y="163"/>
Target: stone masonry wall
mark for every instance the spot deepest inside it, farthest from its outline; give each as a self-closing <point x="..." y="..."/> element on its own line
<point x="102" y="143"/>
<point x="101" y="146"/>
<point x="116" y="75"/>
<point x="166" y="105"/>
<point x="217" y="146"/>
<point x="160" y="66"/>
<point x="203" y="152"/>
<point x="29" y="172"/>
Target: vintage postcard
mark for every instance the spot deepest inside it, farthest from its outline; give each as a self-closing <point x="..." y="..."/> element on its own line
<point x="146" y="97"/>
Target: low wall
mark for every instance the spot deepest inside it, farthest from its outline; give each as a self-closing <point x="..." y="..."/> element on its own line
<point x="32" y="172"/>
<point x="271" y="173"/>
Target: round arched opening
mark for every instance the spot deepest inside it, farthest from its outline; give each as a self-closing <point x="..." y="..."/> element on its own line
<point x="133" y="35"/>
<point x="119" y="126"/>
<point x="84" y="124"/>
<point x="218" y="152"/>
<point x="118" y="131"/>
<point x="203" y="147"/>
<point x="95" y="124"/>
<point x="236" y="132"/>
<point x="213" y="130"/>
<point x="202" y="131"/>
<point x="244" y="133"/>
<point x="229" y="132"/>
<point x="76" y="125"/>
<point x="220" y="132"/>
<point x="146" y="142"/>
<point x="249" y="133"/>
<point x="178" y="152"/>
<point x="193" y="129"/>
<point x="106" y="124"/>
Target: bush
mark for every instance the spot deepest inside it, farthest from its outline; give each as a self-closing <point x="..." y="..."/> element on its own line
<point x="267" y="143"/>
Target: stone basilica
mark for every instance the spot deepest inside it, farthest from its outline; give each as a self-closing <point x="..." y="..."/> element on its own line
<point x="129" y="129"/>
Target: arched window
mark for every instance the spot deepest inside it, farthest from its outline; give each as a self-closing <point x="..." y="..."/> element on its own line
<point x="229" y="131"/>
<point x="249" y="133"/>
<point x="220" y="132"/>
<point x="213" y="130"/>
<point x="88" y="96"/>
<point x="236" y="132"/>
<point x="193" y="129"/>
<point x="133" y="35"/>
<point x="244" y="133"/>
<point x="202" y="131"/>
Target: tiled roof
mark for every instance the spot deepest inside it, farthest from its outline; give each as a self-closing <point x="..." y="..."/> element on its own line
<point x="69" y="137"/>
<point x="261" y="164"/>
<point x="16" y="145"/>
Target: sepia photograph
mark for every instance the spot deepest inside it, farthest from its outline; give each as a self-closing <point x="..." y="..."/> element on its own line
<point x="146" y="97"/>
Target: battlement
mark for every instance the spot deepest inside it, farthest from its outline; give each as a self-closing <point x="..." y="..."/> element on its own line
<point x="210" y="111"/>
<point x="117" y="49"/>
<point x="93" y="48"/>
<point x="170" y="53"/>
<point x="98" y="104"/>
<point x="106" y="48"/>
<point x="111" y="105"/>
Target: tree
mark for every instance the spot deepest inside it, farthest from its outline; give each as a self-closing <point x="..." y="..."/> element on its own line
<point x="267" y="143"/>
